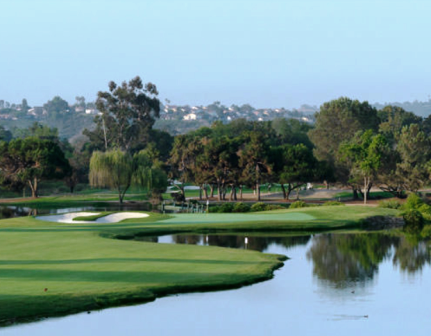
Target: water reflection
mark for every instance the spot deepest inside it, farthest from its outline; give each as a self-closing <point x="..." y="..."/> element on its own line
<point x="11" y="211"/>
<point x="412" y="255"/>
<point x="343" y="258"/>
<point x="338" y="259"/>
<point x="239" y="241"/>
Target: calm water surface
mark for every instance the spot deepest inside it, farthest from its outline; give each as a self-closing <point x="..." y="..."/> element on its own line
<point x="334" y="284"/>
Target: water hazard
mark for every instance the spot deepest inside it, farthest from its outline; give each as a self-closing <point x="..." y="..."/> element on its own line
<point x="334" y="284"/>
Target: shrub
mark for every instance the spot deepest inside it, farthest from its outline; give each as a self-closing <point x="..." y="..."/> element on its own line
<point x="259" y="206"/>
<point x="226" y="207"/>
<point x="425" y="210"/>
<point x="331" y="203"/>
<point x="414" y="221"/>
<point x="298" y="204"/>
<point x="426" y="232"/>
<point x="241" y="207"/>
<point x="413" y="202"/>
<point x="390" y="204"/>
<point x="274" y="207"/>
<point x="214" y="209"/>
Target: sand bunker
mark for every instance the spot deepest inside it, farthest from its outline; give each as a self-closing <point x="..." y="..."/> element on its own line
<point x="114" y="218"/>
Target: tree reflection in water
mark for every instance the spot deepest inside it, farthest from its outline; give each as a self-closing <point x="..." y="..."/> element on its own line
<point x="10" y="212"/>
<point x="411" y="254"/>
<point x="343" y="259"/>
<point x="238" y="241"/>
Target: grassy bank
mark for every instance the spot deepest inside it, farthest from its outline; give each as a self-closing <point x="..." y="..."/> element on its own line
<point x="315" y="219"/>
<point x="50" y="269"/>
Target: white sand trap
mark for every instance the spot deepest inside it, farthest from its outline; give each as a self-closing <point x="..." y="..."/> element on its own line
<point x="114" y="218"/>
<point x="119" y="216"/>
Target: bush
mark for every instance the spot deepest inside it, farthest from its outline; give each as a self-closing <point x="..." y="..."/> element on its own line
<point x="331" y="203"/>
<point x="274" y="207"/>
<point x="413" y="202"/>
<point x="414" y="221"/>
<point x="241" y="207"/>
<point x="259" y="206"/>
<point x="226" y="207"/>
<point x="425" y="210"/>
<point x="214" y="209"/>
<point x="390" y="204"/>
<point x="426" y="232"/>
<point x="298" y="204"/>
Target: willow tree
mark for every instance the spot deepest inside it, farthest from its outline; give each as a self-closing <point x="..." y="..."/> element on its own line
<point x="149" y="173"/>
<point x="113" y="169"/>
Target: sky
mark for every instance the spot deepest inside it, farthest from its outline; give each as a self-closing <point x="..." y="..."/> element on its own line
<point x="268" y="53"/>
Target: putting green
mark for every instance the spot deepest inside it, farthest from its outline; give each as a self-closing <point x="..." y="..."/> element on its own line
<point x="237" y="217"/>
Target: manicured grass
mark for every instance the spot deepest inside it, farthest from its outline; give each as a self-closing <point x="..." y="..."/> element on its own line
<point x="81" y="271"/>
<point x="328" y="218"/>
<point x="51" y="269"/>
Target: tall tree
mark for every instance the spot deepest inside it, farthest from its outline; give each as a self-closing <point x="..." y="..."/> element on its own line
<point x="414" y="148"/>
<point x="394" y="118"/>
<point x="338" y="121"/>
<point x="128" y="114"/>
<point x="365" y="152"/>
<point x="253" y="159"/>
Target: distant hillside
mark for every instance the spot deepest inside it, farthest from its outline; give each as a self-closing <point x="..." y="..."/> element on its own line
<point x="71" y="120"/>
<point x="419" y="108"/>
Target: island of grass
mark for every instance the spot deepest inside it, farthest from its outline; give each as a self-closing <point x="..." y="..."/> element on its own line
<point x="53" y="269"/>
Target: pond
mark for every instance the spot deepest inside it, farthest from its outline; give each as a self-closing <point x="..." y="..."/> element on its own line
<point x="334" y="284"/>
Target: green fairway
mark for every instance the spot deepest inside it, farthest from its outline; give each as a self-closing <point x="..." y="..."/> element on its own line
<point x="50" y="269"/>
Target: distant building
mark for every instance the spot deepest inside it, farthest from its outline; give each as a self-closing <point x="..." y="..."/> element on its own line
<point x="190" y="116"/>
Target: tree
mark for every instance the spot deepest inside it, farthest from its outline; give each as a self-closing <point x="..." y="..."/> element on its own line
<point x="31" y="160"/>
<point x="5" y="135"/>
<point x="365" y="153"/>
<point x="253" y="158"/>
<point x="394" y="118"/>
<point x="338" y="121"/>
<point x="114" y="169"/>
<point x="149" y="173"/>
<point x="128" y="114"/>
<point x="292" y="131"/>
<point x="80" y="101"/>
<point x="294" y="166"/>
<point x="414" y="148"/>
<point x="56" y="106"/>
<point x="24" y="106"/>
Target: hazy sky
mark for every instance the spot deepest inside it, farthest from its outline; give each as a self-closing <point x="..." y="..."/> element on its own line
<point x="269" y="53"/>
